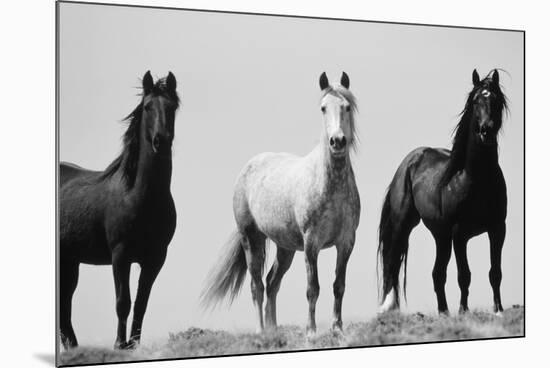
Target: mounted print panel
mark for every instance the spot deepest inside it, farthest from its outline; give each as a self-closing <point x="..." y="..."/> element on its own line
<point x="233" y="183"/>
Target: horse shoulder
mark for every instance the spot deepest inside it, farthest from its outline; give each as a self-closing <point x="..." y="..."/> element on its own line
<point x="354" y="200"/>
<point x="69" y="171"/>
<point x="496" y="193"/>
<point x="502" y="198"/>
<point x="167" y="219"/>
<point x="422" y="171"/>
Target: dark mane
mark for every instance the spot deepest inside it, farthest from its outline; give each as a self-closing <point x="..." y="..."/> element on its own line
<point x="461" y="131"/>
<point x="128" y="158"/>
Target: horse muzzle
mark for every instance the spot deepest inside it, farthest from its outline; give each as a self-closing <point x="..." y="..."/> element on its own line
<point x="161" y="145"/>
<point x="487" y="136"/>
<point x="338" y="146"/>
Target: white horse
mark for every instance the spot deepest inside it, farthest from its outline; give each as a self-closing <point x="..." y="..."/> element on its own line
<point x="300" y="203"/>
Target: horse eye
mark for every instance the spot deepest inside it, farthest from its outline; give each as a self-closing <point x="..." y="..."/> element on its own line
<point x="323" y="109"/>
<point x="348" y="108"/>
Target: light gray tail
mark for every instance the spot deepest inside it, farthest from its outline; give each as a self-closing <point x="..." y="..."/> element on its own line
<point x="227" y="277"/>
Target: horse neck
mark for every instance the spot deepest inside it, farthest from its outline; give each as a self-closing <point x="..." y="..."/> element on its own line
<point x="332" y="172"/>
<point x="153" y="173"/>
<point x="480" y="161"/>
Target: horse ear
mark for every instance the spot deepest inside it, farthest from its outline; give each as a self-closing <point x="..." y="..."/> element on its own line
<point x="475" y="78"/>
<point x="147" y="82"/>
<point x="495" y="77"/>
<point x="171" y="82"/>
<point x="323" y="81"/>
<point x="344" y="81"/>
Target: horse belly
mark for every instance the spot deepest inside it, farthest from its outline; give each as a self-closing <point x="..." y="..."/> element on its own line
<point x="278" y="224"/>
<point x="284" y="238"/>
<point x="82" y="235"/>
<point x="284" y="234"/>
<point x="96" y="255"/>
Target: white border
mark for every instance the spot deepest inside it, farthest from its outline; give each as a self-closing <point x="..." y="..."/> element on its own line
<point x="27" y="183"/>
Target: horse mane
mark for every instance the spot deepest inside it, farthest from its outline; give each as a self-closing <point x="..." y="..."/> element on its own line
<point x="460" y="132"/>
<point x="129" y="156"/>
<point x="346" y="94"/>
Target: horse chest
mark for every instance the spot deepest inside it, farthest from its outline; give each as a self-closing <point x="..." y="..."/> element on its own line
<point x="142" y="226"/>
<point x="475" y="207"/>
<point x="331" y="217"/>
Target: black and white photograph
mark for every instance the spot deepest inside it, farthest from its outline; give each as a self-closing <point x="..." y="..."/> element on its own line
<point x="232" y="183"/>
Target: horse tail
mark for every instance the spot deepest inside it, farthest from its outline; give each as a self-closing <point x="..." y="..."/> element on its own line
<point x="226" y="278"/>
<point x="393" y="236"/>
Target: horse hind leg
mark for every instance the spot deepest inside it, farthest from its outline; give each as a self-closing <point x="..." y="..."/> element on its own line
<point x="68" y="279"/>
<point x="399" y="216"/>
<point x="394" y="255"/>
<point x="253" y="244"/>
<point x="281" y="265"/>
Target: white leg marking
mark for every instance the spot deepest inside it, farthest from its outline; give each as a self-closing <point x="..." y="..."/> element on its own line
<point x="390" y="302"/>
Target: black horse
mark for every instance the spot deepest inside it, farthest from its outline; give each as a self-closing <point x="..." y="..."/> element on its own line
<point x="458" y="194"/>
<point x="124" y="214"/>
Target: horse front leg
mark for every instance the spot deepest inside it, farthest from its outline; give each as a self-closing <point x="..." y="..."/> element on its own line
<point x="496" y="239"/>
<point x="339" y="286"/>
<point x="439" y="273"/>
<point x="147" y="277"/>
<point x="312" y="293"/>
<point x="463" y="270"/>
<point x="121" y="275"/>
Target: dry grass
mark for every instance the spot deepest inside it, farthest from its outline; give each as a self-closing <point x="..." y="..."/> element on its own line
<point x="390" y="328"/>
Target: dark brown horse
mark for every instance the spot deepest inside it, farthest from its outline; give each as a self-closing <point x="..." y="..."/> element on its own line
<point x="457" y="194"/>
<point x="124" y="214"/>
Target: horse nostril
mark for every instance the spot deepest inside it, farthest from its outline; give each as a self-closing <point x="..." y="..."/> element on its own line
<point x="343" y="141"/>
<point x="337" y="143"/>
<point x="156" y="142"/>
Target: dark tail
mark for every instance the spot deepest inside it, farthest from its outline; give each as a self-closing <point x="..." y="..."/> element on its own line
<point x="228" y="275"/>
<point x="393" y="247"/>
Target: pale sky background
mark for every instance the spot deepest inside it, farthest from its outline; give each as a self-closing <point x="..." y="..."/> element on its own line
<point x="249" y="84"/>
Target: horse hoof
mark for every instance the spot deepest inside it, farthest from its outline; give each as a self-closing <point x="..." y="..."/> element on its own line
<point x="389" y="304"/>
<point x="337" y="327"/>
<point x="131" y="345"/>
<point x="499" y="314"/>
<point x="463" y="310"/>
<point x="122" y="345"/>
<point x="311" y="333"/>
<point x="69" y="346"/>
<point x="68" y="343"/>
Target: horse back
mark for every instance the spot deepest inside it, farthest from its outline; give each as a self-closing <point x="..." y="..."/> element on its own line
<point x="69" y="171"/>
<point x="285" y="196"/>
<point x="81" y="201"/>
<point x="263" y="194"/>
<point x="415" y="185"/>
<point x="460" y="200"/>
